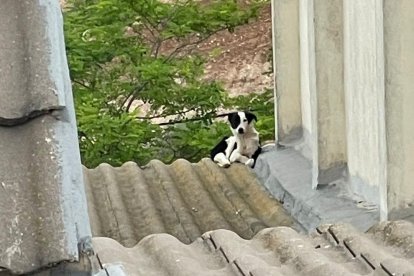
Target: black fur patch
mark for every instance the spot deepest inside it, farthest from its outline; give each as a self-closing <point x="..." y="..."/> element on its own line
<point x="256" y="154"/>
<point x="234" y="120"/>
<point x="250" y="116"/>
<point x="220" y="147"/>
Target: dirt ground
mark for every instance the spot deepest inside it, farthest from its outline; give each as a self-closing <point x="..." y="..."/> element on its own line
<point x="241" y="60"/>
<point x="244" y="60"/>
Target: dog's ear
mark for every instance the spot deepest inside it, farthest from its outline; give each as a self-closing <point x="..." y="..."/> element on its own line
<point x="250" y="116"/>
<point x="234" y="119"/>
<point x="230" y="116"/>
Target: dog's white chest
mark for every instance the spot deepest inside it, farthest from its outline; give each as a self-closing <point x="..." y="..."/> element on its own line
<point x="244" y="148"/>
<point x="248" y="146"/>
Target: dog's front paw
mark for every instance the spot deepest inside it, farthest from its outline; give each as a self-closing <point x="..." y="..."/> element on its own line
<point x="250" y="162"/>
<point x="224" y="165"/>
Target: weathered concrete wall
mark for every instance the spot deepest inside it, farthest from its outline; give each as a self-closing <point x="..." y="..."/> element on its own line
<point x="285" y="17"/>
<point x="364" y="94"/>
<point x="322" y="93"/>
<point x="399" y="87"/>
<point x="356" y="96"/>
<point x="329" y="88"/>
<point x="309" y="146"/>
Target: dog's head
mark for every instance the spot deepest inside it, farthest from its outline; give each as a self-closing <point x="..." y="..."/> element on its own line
<point x="241" y="122"/>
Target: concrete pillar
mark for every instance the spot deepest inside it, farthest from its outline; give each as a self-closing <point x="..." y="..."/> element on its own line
<point x="399" y="88"/>
<point x="309" y="147"/>
<point x="355" y="102"/>
<point x="322" y="93"/>
<point x="285" y="18"/>
<point x="364" y="100"/>
<point x="330" y="90"/>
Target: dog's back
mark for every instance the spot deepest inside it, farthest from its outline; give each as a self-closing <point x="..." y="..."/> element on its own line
<point x="220" y="147"/>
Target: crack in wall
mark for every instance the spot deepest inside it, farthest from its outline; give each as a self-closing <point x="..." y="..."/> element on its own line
<point x="11" y="122"/>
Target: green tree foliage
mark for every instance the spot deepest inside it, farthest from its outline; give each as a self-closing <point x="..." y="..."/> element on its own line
<point x="121" y="51"/>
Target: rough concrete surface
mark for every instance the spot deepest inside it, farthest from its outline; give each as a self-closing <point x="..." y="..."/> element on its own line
<point x="288" y="177"/>
<point x="365" y="100"/>
<point x="399" y="60"/>
<point x="42" y="202"/>
<point x="330" y="89"/>
<point x="25" y="60"/>
<point x="285" y="16"/>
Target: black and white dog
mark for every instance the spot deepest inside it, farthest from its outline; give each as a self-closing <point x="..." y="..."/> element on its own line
<point x="243" y="146"/>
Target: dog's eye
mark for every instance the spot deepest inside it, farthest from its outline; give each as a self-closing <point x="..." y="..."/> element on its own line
<point x="245" y="120"/>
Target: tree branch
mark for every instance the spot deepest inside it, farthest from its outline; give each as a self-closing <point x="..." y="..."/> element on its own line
<point x="165" y="115"/>
<point x="194" y="119"/>
<point x="134" y="96"/>
<point x="199" y="118"/>
<point x="173" y="12"/>
<point x="81" y="84"/>
<point x="83" y="134"/>
<point x="195" y="43"/>
<point x="157" y="48"/>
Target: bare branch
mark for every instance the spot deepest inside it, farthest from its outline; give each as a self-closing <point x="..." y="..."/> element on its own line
<point x="158" y="47"/>
<point x="151" y="32"/>
<point x="81" y="84"/>
<point x="134" y="95"/>
<point x="166" y="115"/>
<point x="173" y="12"/>
<point x="194" y="119"/>
<point x="190" y="44"/>
<point x="126" y="99"/>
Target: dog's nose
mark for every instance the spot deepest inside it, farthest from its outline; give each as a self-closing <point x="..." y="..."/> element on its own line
<point x="241" y="131"/>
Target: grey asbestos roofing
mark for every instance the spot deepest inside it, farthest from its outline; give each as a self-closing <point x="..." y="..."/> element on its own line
<point x="386" y="249"/>
<point x="183" y="199"/>
<point x="199" y="219"/>
<point x="31" y="87"/>
<point x="42" y="202"/>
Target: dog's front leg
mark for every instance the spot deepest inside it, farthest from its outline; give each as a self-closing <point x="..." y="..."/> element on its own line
<point x="222" y="160"/>
<point x="237" y="157"/>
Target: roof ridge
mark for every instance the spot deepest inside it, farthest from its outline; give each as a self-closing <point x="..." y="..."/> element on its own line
<point x="152" y="161"/>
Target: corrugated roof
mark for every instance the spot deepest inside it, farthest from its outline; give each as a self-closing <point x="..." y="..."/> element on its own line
<point x="387" y="249"/>
<point x="29" y="88"/>
<point x="42" y="201"/>
<point x="182" y="199"/>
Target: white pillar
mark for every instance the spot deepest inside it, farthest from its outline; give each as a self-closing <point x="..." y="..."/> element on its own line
<point x="364" y="96"/>
<point x="285" y="34"/>
<point x="328" y="22"/>
<point x="399" y="90"/>
<point x="309" y="147"/>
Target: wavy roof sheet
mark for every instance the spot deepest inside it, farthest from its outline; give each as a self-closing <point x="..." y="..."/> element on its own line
<point x="387" y="249"/>
<point x="42" y="201"/>
<point x="182" y="199"/>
